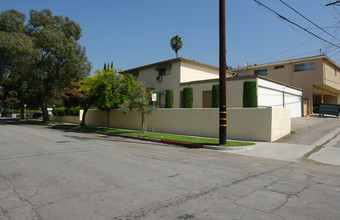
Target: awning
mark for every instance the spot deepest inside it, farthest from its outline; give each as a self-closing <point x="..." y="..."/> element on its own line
<point x="319" y="89"/>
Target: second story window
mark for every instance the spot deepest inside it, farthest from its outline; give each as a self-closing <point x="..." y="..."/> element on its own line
<point x="279" y="67"/>
<point x="304" y="67"/>
<point x="163" y="70"/>
<point x="261" y="72"/>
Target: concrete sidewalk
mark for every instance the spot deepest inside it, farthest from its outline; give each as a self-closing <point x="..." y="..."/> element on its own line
<point x="326" y="150"/>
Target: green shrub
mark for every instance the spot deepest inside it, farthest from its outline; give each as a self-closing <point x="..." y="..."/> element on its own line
<point x="157" y="101"/>
<point x="73" y="111"/>
<point x="187" y="97"/>
<point x="215" y="99"/>
<point x="169" y="98"/>
<point x="59" y="111"/>
<point x="249" y="94"/>
<point x="11" y="111"/>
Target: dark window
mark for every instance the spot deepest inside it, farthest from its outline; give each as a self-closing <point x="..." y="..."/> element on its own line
<point x="279" y="67"/>
<point x="261" y="72"/>
<point x="161" y="72"/>
<point x="304" y="67"/>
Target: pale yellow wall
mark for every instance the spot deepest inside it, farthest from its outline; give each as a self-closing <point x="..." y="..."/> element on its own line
<point x="281" y="122"/>
<point x="66" y="119"/>
<point x="234" y="90"/>
<point x="258" y="124"/>
<point x="195" y="72"/>
<point x="149" y="76"/>
<point x="235" y="93"/>
<point x="332" y="75"/>
<point x="182" y="71"/>
<point x="198" y="92"/>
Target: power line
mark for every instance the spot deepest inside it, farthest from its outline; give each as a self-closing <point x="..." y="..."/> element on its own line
<point x="333" y="3"/>
<point x="282" y="17"/>
<point x="308" y="19"/>
<point x="327" y="9"/>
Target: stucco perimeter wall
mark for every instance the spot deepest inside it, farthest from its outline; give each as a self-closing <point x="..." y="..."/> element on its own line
<point x="66" y="119"/>
<point x="260" y="124"/>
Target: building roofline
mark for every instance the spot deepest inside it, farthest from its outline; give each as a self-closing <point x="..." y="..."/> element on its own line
<point x="179" y="59"/>
<point x="288" y="61"/>
<point x="249" y="77"/>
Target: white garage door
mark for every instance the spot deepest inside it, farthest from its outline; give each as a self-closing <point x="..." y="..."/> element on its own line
<point x="271" y="94"/>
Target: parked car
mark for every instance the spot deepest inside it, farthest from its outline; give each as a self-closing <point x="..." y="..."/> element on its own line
<point x="36" y="115"/>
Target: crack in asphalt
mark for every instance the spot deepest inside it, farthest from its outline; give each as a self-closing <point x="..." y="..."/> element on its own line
<point x="143" y="212"/>
<point x="34" y="207"/>
<point x="5" y="213"/>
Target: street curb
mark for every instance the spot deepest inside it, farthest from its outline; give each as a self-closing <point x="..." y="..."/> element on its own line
<point x="238" y="148"/>
<point x="185" y="144"/>
<point x="177" y="143"/>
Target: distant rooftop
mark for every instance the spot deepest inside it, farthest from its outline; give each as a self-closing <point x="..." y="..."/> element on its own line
<point x="288" y="61"/>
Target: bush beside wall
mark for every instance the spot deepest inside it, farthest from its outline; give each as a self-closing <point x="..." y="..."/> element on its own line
<point x="249" y="94"/>
<point x="169" y="98"/>
<point x="188" y="97"/>
<point x="73" y="111"/>
<point x="215" y="99"/>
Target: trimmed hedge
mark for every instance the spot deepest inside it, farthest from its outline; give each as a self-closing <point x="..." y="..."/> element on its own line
<point x="215" y="96"/>
<point x="157" y="101"/>
<point x="187" y="97"/>
<point x="73" y="111"/>
<point x="169" y="98"/>
<point x="249" y="94"/>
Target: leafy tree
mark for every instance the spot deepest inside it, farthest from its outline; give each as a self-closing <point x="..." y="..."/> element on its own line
<point x="43" y="56"/>
<point x="111" y="64"/>
<point x="86" y="98"/>
<point x="108" y="92"/>
<point x="176" y="44"/>
<point x="139" y="99"/>
<point x="104" y="66"/>
<point x="71" y="95"/>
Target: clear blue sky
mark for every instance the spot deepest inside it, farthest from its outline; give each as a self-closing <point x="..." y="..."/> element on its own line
<point x="133" y="33"/>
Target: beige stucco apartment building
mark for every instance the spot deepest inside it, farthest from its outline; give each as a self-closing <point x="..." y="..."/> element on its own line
<point x="174" y="74"/>
<point x="178" y="73"/>
<point x="318" y="76"/>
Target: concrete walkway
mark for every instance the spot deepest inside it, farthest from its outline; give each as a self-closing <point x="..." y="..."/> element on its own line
<point x="313" y="139"/>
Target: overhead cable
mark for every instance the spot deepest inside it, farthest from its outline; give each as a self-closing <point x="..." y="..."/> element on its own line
<point x="308" y="19"/>
<point x="283" y="18"/>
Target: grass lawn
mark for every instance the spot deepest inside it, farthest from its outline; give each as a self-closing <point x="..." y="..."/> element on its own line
<point x="163" y="136"/>
<point x="171" y="137"/>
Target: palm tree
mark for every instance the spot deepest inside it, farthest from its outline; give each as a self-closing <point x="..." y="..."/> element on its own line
<point x="176" y="44"/>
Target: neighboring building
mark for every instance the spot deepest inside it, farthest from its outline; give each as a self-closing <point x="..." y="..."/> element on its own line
<point x="170" y="74"/>
<point x="318" y="76"/>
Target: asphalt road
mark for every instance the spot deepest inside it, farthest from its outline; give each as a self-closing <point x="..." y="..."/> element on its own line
<point x="48" y="173"/>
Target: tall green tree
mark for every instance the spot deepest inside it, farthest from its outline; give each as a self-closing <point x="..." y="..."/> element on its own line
<point x="108" y="91"/>
<point x="176" y="44"/>
<point x="140" y="100"/>
<point x="45" y="53"/>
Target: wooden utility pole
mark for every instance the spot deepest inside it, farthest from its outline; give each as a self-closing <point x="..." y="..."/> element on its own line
<point x="222" y="81"/>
